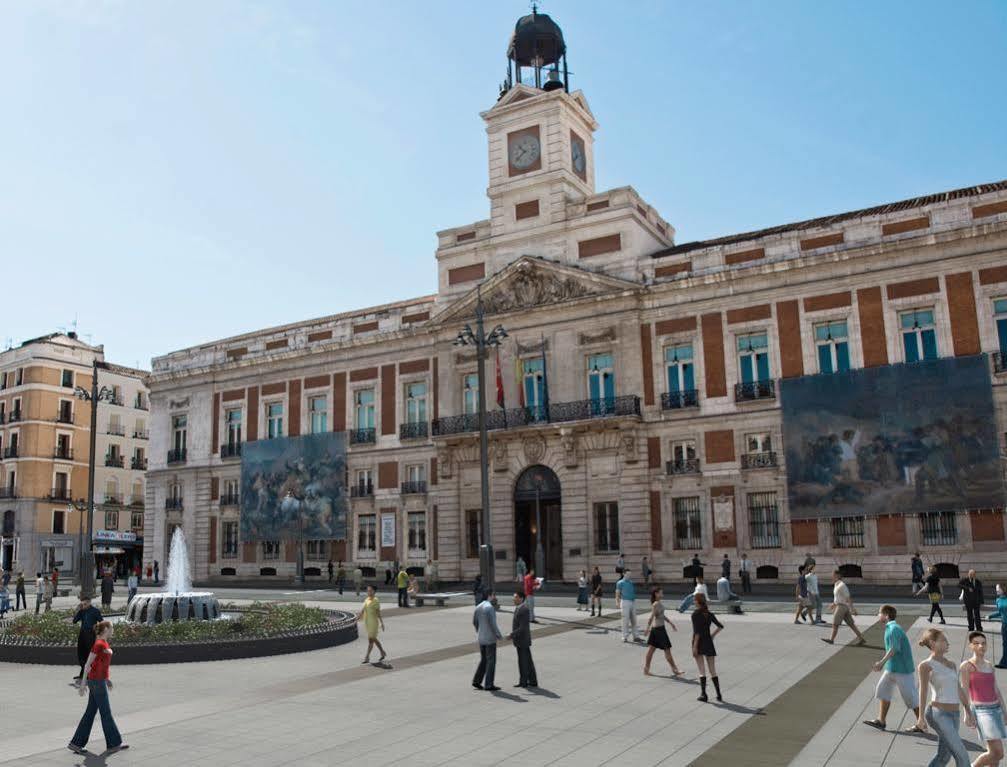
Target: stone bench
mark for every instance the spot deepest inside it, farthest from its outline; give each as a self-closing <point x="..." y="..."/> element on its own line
<point x="439" y="599"/>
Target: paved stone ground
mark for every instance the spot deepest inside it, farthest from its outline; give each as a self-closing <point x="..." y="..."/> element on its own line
<point x="595" y="706"/>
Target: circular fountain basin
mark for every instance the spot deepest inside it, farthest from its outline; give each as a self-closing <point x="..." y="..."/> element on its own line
<point x="162" y="607"/>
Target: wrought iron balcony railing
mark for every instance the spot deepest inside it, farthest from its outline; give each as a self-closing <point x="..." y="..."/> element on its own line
<point x="765" y="460"/>
<point x="141" y="404"/>
<point x="999" y="363"/>
<point x="230" y="450"/>
<point x="559" y="412"/>
<point x="63" y="453"/>
<point x="113" y="499"/>
<point x="361" y="490"/>
<point x="60" y="494"/>
<point x="172" y="504"/>
<point x="141" y="434"/>
<point x="683" y="466"/>
<point x="10" y="451"/>
<point x="64" y="416"/>
<point x="117" y="401"/>
<point x="14" y="416"/>
<point x="7" y="493"/>
<point x="116" y="429"/>
<point x="138" y="464"/>
<point x="137" y="500"/>
<point x="413" y="430"/>
<point x="363" y="436"/>
<point x="754" y="390"/>
<point x="415" y="487"/>
<point x="176" y="456"/>
<point x="229" y="499"/>
<point x="676" y="400"/>
<point x="115" y="461"/>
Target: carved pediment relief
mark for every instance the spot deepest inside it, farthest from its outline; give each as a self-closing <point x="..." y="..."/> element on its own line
<point x="532" y="286"/>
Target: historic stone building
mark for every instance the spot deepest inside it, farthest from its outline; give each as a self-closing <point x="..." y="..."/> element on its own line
<point x="639" y="377"/>
<point x="45" y="435"/>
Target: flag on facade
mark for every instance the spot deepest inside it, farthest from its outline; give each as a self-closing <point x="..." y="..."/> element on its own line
<point x="500" y="388"/>
<point x="519" y="377"/>
<point x="545" y="384"/>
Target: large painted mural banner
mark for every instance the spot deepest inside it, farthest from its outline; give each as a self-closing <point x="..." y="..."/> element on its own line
<point x="292" y="486"/>
<point x="895" y="439"/>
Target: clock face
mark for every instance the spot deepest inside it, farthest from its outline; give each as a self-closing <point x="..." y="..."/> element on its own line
<point x="577" y="155"/>
<point x="524" y="151"/>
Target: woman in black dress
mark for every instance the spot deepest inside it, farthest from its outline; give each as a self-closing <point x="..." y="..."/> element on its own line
<point x="596" y="591"/>
<point x="702" y="644"/>
<point x="657" y="634"/>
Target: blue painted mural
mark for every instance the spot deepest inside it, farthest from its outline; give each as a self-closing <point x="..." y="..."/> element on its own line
<point x="901" y="438"/>
<point x="312" y="468"/>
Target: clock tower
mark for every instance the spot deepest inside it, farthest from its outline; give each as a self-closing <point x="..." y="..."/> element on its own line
<point x="541" y="136"/>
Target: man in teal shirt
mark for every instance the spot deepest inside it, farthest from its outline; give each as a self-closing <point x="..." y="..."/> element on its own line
<point x="897" y="670"/>
<point x="1001" y="615"/>
<point x="625" y="599"/>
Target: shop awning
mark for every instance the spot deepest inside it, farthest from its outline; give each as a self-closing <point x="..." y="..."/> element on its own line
<point x="108" y="550"/>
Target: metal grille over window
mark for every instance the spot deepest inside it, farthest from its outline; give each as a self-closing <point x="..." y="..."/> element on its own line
<point x="939" y="528"/>
<point x="848" y="532"/>
<point x="763" y="520"/>
<point x="606" y="526"/>
<point x="688" y="523"/>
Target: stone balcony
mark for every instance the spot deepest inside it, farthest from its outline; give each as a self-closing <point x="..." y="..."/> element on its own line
<point x="557" y="412"/>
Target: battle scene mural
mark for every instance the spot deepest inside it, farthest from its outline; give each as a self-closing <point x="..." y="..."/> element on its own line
<point x="904" y="438"/>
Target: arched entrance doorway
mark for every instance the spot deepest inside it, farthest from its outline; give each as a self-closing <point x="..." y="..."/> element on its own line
<point x="537" y="518"/>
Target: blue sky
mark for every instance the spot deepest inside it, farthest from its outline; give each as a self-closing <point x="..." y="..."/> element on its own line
<point x="172" y="173"/>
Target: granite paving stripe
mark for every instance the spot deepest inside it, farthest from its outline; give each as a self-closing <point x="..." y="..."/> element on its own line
<point x="796" y="715"/>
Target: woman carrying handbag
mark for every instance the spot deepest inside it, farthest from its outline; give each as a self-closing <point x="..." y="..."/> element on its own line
<point x="935" y="592"/>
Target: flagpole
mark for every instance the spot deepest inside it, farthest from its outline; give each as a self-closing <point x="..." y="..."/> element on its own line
<point x="545" y="380"/>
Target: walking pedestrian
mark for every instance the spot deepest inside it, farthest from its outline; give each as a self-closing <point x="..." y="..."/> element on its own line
<point x="106" y="591"/>
<point x="520" y="569"/>
<point x="972" y="599"/>
<point x="55" y="581"/>
<point x="1001" y="613"/>
<point x="703" y="649"/>
<point x="646" y="571"/>
<point x="4" y="599"/>
<point x="370" y="614"/>
<point x="6" y="578"/>
<point x="814" y="595"/>
<point x="48" y="593"/>
<point x="897" y="671"/>
<point x="596" y="591"/>
<point x="96" y="674"/>
<point x="657" y="634"/>
<point x="388" y="576"/>
<point x="39" y="591"/>
<point x="520" y="635"/>
<point x="697" y="568"/>
<point x="150" y="573"/>
<point x="725" y="567"/>
<point x="531" y="585"/>
<point x="916" y="567"/>
<point x="88" y="616"/>
<point x="157" y="571"/>
<point x="842" y="610"/>
<point x="809" y="561"/>
<point x="625" y="600"/>
<point x="689" y="599"/>
<point x="331" y="570"/>
<point x="132" y="586"/>
<point x="979" y="681"/>
<point x="746" y="574"/>
<point x="484" y="620"/>
<point x="801" y="593"/>
<point x="620" y="564"/>
<point x="942" y="714"/>
<point x="358" y="579"/>
<point x="20" y="602"/>
<point x="402" y="582"/>
<point x="935" y="593"/>
<point x="340" y="576"/>
<point x="582" y="591"/>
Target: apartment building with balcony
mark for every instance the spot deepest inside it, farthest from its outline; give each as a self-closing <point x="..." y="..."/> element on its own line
<point x="45" y="441"/>
<point x="639" y="401"/>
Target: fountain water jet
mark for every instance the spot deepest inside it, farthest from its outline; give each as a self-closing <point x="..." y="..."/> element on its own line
<point x="178" y="601"/>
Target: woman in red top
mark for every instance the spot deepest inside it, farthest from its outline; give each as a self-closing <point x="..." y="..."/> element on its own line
<point x="98" y="685"/>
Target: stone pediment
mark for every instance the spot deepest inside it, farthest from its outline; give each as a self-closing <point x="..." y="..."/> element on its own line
<point x="529" y="283"/>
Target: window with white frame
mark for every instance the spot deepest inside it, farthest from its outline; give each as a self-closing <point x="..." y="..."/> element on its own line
<point x="367" y="535"/>
<point x="919" y="334"/>
<point x="416" y="402"/>
<point x="67" y="379"/>
<point x="470" y="394"/>
<point x="316" y="550"/>
<point x="687" y="519"/>
<point x="274" y="420"/>
<point x="416" y="472"/>
<point x="753" y="357"/>
<point x="364" y="481"/>
<point x="683" y="456"/>
<point x="760" y="442"/>
<point x="601" y="383"/>
<point x="417" y="521"/>
<point x="832" y="344"/>
<point x="680" y="369"/>
<point x="318" y="410"/>
<point x="111" y="520"/>
<point x="606" y="527"/>
<point x="58" y="521"/>
<point x="364" y="408"/>
<point x="230" y="495"/>
<point x="1000" y="318"/>
<point x="179" y="428"/>
<point x="229" y="540"/>
<point x="270" y="549"/>
<point x="533" y="375"/>
<point x="136" y="522"/>
<point x="233" y="420"/>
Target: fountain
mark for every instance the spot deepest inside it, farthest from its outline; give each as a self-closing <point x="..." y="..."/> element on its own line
<point x="178" y="601"/>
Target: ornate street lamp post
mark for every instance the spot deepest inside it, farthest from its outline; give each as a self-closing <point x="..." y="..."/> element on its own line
<point x="94" y="396"/>
<point x="482" y="342"/>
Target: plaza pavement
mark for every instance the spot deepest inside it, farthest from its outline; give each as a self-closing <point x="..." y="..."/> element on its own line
<point x="595" y="706"/>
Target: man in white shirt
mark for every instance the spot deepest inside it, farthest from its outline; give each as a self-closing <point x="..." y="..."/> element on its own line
<point x="746" y="574"/>
<point x="842" y="609"/>
<point x="811" y="578"/>
<point x="39" y="591"/>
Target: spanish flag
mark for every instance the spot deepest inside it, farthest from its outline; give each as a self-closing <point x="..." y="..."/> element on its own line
<point x="500" y="389"/>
